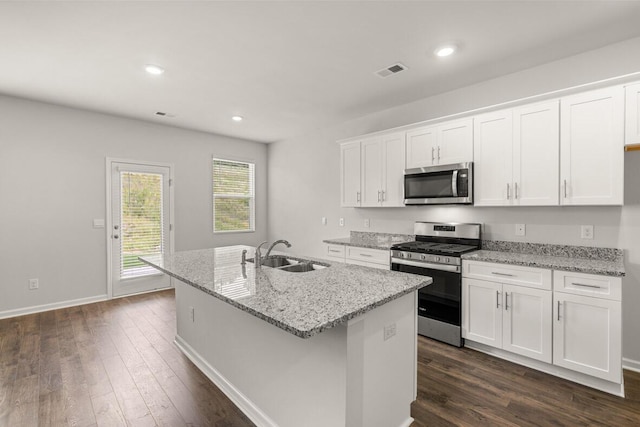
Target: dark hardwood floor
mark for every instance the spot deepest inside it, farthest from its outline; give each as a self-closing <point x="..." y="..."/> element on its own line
<point x="114" y="363"/>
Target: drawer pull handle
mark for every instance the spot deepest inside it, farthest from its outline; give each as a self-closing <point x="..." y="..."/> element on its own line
<point x="422" y="309"/>
<point x="585" y="285"/>
<point x="335" y="251"/>
<point x="366" y="255"/>
<point x="502" y="274"/>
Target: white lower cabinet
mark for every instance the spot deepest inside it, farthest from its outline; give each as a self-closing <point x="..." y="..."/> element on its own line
<point x="567" y="320"/>
<point x="511" y="317"/>
<point x="336" y="252"/>
<point x="587" y="327"/>
<point x="367" y="257"/>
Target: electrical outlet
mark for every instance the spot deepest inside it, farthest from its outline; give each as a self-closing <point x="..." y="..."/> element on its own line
<point x="192" y="314"/>
<point x="341" y="222"/>
<point x="389" y="331"/>
<point x="34" y="284"/>
<point x="586" y="232"/>
<point x="521" y="229"/>
<point x="324" y="220"/>
<point x="367" y="223"/>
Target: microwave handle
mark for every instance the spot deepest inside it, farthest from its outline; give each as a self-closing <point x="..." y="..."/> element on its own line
<point x="454" y="183"/>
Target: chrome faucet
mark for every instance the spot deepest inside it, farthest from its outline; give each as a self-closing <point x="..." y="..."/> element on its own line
<point x="275" y="243"/>
<point x="257" y="258"/>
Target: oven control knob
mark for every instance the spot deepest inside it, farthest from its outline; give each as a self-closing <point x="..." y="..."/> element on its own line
<point x="437" y="259"/>
<point x="423" y="257"/>
<point x="402" y="255"/>
<point x="447" y="260"/>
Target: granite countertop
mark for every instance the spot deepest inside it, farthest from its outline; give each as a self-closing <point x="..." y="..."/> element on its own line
<point x="361" y="239"/>
<point x="580" y="259"/>
<point x="303" y="304"/>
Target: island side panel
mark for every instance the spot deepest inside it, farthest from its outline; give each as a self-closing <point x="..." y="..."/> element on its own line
<point x="382" y="368"/>
<point x="276" y="378"/>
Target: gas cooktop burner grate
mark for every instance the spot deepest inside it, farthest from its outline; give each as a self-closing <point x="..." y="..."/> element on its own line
<point x="433" y="247"/>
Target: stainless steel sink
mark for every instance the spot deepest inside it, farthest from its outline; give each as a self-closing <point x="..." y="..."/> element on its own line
<point x="299" y="268"/>
<point x="275" y="261"/>
<point x="291" y="264"/>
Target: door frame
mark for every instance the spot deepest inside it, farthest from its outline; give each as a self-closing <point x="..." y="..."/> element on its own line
<point x="108" y="220"/>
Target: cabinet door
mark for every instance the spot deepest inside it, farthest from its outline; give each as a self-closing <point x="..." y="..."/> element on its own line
<point x="421" y="147"/>
<point x="350" y="174"/>
<point x="492" y="148"/>
<point x="587" y="335"/>
<point x="455" y="142"/>
<point x="393" y="146"/>
<point x="527" y="322"/>
<point x="632" y="114"/>
<point x="591" y="148"/>
<point x="371" y="172"/>
<point x="482" y="311"/>
<point x="536" y="154"/>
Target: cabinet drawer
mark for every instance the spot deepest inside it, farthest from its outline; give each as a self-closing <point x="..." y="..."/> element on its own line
<point x="592" y="285"/>
<point x="511" y="274"/>
<point x="336" y="251"/>
<point x="374" y="256"/>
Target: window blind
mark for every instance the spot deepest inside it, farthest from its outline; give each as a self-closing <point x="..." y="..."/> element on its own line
<point x="233" y="196"/>
<point x="142" y="233"/>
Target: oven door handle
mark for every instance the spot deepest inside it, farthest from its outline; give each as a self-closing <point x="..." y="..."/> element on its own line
<point x="454" y="183"/>
<point x="427" y="265"/>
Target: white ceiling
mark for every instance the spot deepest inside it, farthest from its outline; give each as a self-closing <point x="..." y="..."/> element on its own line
<point x="287" y="67"/>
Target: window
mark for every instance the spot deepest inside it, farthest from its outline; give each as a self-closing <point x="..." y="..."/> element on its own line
<point x="233" y="196"/>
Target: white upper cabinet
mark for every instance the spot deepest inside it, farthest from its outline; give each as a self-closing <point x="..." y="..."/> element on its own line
<point x="591" y="148"/>
<point x="632" y="115"/>
<point x="536" y="152"/>
<point x="516" y="156"/>
<point x="372" y="171"/>
<point x="393" y="146"/>
<point x="446" y="143"/>
<point x="493" y="145"/>
<point x="350" y="194"/>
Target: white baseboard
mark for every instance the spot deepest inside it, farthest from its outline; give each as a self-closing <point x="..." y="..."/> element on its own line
<point x="53" y="306"/>
<point x="567" y="374"/>
<point x="254" y="413"/>
<point x="630" y="364"/>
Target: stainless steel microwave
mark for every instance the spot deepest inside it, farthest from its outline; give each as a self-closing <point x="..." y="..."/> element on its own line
<point x="439" y="185"/>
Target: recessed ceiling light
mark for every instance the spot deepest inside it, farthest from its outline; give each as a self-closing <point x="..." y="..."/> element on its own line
<point x="154" y="69"/>
<point x="446" y="50"/>
<point x="237" y="118"/>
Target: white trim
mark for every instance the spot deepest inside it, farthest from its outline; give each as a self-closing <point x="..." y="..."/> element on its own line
<point x="252" y="411"/>
<point x="53" y="306"/>
<point x="108" y="225"/>
<point x="630" y="364"/>
<point x="567" y="374"/>
<point x="612" y="81"/>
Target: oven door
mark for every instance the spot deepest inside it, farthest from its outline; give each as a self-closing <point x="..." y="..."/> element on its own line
<point x="439" y="185"/>
<point x="439" y="304"/>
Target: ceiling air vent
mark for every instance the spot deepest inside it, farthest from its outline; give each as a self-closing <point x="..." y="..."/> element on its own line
<point x="394" y="69"/>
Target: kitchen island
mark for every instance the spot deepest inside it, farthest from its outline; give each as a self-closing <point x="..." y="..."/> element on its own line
<point x="334" y="346"/>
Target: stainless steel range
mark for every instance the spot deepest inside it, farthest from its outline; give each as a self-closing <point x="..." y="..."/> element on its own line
<point x="436" y="253"/>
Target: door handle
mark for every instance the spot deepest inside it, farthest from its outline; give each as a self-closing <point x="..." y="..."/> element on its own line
<point x="558" y="311"/>
<point x="357" y="196"/>
<point x="115" y="236"/>
<point x="516" y="190"/>
<point x="433" y="157"/>
<point x="508" y="191"/>
<point x="497" y="299"/>
<point x="438" y="153"/>
<point x="506" y="301"/>
<point x="565" y="188"/>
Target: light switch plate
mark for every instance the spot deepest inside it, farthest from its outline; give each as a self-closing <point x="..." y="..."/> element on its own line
<point x="341" y="222"/>
<point x="324" y="220"/>
<point x="98" y="223"/>
<point x="521" y="229"/>
<point x="367" y="223"/>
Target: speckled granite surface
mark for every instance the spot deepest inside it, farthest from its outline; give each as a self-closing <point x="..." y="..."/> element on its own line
<point x="303" y="304"/>
<point x="580" y="259"/>
<point x="363" y="239"/>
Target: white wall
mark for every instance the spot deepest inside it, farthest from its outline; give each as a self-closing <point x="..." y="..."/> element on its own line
<point x="52" y="185"/>
<point x="304" y="178"/>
